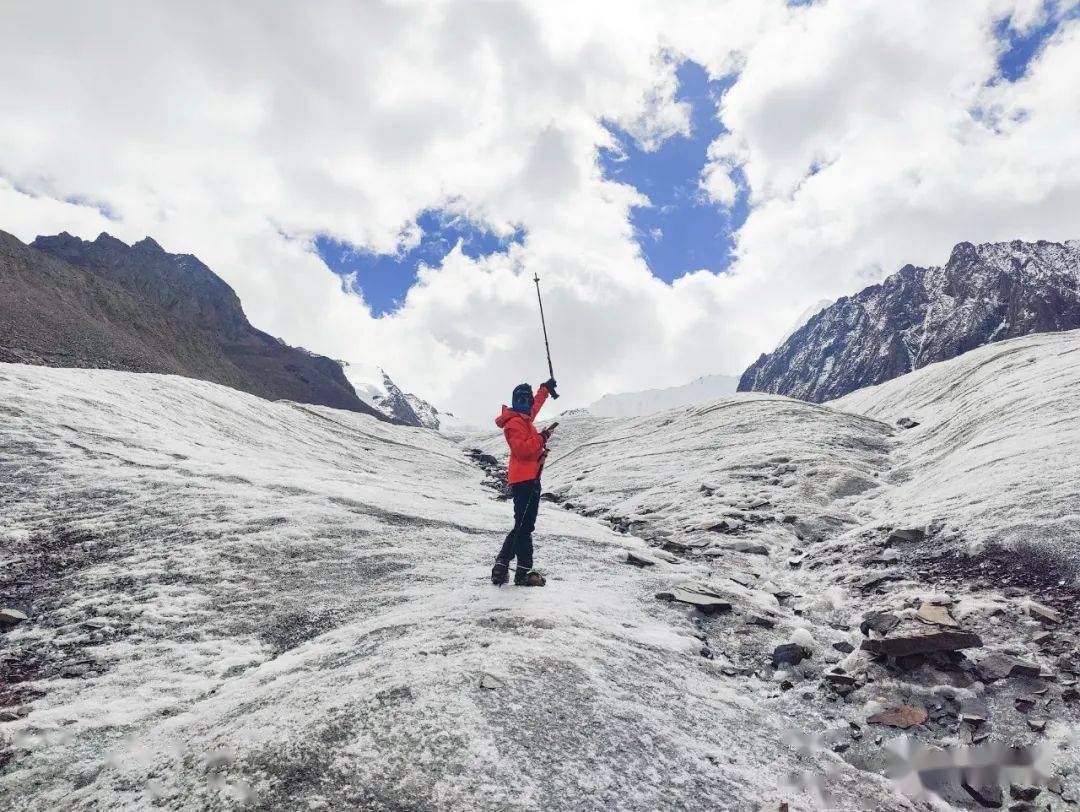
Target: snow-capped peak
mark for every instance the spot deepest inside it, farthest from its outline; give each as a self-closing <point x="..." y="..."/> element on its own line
<point x="918" y="316"/>
<point x="376" y="388"/>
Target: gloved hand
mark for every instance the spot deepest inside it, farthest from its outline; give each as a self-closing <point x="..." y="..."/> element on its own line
<point x="549" y="385"/>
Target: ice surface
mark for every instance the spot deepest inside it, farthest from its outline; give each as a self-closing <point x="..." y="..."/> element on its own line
<point x="997" y="453"/>
<point x="290" y="603"/>
<point x="292" y="606"/>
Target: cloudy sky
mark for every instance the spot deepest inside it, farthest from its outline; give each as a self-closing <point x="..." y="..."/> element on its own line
<point x="380" y="180"/>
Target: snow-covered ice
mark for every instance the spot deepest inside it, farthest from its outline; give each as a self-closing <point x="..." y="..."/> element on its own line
<point x="289" y="604"/>
<point x="997" y="451"/>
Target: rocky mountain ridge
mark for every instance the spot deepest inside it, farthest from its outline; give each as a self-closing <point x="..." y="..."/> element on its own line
<point x="918" y="316"/>
<point x="104" y="304"/>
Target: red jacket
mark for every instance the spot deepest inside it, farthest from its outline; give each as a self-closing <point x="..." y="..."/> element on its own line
<point x="527" y="446"/>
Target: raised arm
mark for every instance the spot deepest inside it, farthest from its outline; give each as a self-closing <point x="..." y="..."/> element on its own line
<point x="546" y="388"/>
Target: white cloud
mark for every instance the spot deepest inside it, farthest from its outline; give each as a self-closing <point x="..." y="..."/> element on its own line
<point x="238" y="132"/>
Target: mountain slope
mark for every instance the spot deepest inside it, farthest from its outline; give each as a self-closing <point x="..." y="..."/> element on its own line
<point x="633" y="404"/>
<point x="232" y="600"/>
<point x="104" y="304"/>
<point x="919" y="316"/>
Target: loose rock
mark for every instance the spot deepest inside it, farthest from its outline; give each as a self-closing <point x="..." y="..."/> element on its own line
<point x="906" y="536"/>
<point x="1020" y="792"/>
<point x="641" y="559"/>
<point x="916" y="638"/>
<point x="984" y="794"/>
<point x="880" y="622"/>
<point x="490" y="682"/>
<point x="874" y="581"/>
<point x="907" y="423"/>
<point x="909" y="662"/>
<point x="761" y="620"/>
<point x="725" y="526"/>
<point x="11" y="617"/>
<point x="748" y="547"/>
<point x="1044" y="614"/>
<point x="841" y="683"/>
<point x="742" y="580"/>
<point x="701" y="597"/>
<point x="937" y="615"/>
<point x="789" y="654"/>
<point x="1000" y="666"/>
<point x="1025" y="702"/>
<point x="902" y="717"/>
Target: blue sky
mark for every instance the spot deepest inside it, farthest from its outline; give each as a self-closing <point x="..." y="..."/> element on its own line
<point x="1022" y="48"/>
<point x="384" y="279"/>
<point x="681" y="231"/>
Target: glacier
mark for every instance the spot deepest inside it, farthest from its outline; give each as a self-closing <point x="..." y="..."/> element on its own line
<point x="238" y="602"/>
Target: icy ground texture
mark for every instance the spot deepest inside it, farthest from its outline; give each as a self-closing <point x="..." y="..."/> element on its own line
<point x="997" y="451"/>
<point x="234" y="600"/>
<point x="991" y="476"/>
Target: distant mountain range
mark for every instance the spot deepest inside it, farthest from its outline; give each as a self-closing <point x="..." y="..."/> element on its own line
<point x="105" y="304"/>
<point x="918" y="316"/>
<point x="635" y="404"/>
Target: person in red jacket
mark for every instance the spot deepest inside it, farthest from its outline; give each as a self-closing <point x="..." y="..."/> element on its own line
<point x="528" y="448"/>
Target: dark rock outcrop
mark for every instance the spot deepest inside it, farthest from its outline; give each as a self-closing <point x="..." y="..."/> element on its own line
<point x="912" y="638"/>
<point x="918" y="316"/>
<point x="104" y="304"/>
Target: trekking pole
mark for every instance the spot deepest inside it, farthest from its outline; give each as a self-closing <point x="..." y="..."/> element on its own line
<point x="547" y="347"/>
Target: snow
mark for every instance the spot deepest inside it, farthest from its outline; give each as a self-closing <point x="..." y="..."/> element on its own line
<point x="994" y="463"/>
<point x="996" y="454"/>
<point x="366" y="378"/>
<point x="295" y="609"/>
<point x="376" y="388"/>
<point x="456" y="427"/>
<point x="649" y="401"/>
<point x="299" y="612"/>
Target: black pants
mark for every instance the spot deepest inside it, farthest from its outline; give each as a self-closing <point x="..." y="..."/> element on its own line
<point x="519" y="540"/>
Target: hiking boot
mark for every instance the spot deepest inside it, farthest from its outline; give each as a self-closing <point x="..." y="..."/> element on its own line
<point x="500" y="573"/>
<point x="530" y="577"/>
